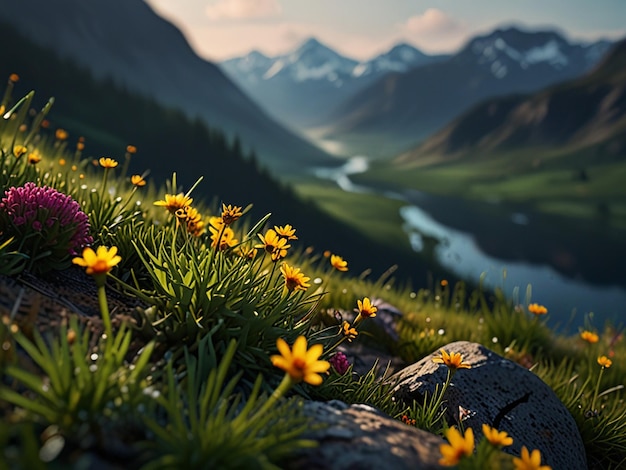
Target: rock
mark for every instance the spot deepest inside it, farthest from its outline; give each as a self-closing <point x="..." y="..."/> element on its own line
<point x="361" y="437"/>
<point x="504" y="395"/>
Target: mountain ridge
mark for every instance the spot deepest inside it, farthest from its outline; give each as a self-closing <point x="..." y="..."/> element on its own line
<point x="314" y="77"/>
<point x="406" y="108"/>
<point x="586" y="111"/>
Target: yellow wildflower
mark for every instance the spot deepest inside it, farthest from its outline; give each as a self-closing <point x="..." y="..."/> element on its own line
<point x="348" y="331"/>
<point x="589" y="336"/>
<point x="496" y="438"/>
<point x="34" y="157"/>
<point x="273" y="244"/>
<point x="458" y="446"/>
<point x="605" y="362"/>
<point x="365" y="308"/>
<point x="106" y="162"/>
<point x="452" y="361"/>
<point x="537" y="309"/>
<point x="294" y="279"/>
<point x="137" y="180"/>
<point x="230" y="213"/>
<point x="529" y="461"/>
<point x="338" y="263"/>
<point x="98" y="262"/>
<point x="286" y="231"/>
<point x="174" y="202"/>
<point x="61" y="134"/>
<point x="19" y="150"/>
<point x="301" y="364"/>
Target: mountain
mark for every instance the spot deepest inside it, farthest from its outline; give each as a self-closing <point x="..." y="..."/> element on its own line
<point x="300" y="88"/>
<point x="586" y="113"/>
<point x="402" y="109"/>
<point x="128" y="41"/>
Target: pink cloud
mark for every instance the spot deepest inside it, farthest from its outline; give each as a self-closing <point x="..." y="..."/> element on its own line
<point x="240" y="9"/>
<point x="434" y="30"/>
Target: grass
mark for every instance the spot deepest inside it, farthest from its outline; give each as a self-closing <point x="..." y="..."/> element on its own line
<point x="199" y="372"/>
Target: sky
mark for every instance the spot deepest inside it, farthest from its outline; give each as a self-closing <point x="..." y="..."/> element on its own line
<point x="361" y="29"/>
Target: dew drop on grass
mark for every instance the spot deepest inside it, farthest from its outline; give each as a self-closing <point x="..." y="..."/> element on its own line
<point x="412" y="295"/>
<point x="494" y="339"/>
<point x="51" y="448"/>
<point x="93" y="367"/>
<point x="317" y="280"/>
<point x="441" y="331"/>
<point x="94" y="357"/>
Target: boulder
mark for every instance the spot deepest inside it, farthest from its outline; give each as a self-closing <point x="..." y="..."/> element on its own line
<point x="360" y="437"/>
<point x="498" y="392"/>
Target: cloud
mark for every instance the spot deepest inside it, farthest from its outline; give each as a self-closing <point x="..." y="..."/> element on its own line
<point x="434" y="30"/>
<point x="241" y="9"/>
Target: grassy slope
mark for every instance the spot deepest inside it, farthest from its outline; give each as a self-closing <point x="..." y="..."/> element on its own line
<point x="546" y="179"/>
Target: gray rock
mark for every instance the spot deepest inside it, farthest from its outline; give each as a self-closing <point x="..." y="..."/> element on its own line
<point x="361" y="437"/>
<point x="504" y="395"/>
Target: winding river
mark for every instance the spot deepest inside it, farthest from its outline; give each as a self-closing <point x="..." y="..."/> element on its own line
<point x="516" y="250"/>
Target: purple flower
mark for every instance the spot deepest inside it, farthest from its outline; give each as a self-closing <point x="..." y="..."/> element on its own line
<point x="44" y="220"/>
<point x="340" y="363"/>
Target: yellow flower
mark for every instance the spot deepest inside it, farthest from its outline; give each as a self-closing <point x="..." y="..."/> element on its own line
<point x="80" y="146"/>
<point x="605" y="362"/>
<point x="230" y="213"/>
<point x="19" y="150"/>
<point x="589" y="336"/>
<point x="14" y="77"/>
<point x="537" y="309"/>
<point x="294" y="279"/>
<point x="444" y="282"/>
<point x="191" y="219"/>
<point x="452" y="361"/>
<point x="61" y="134"/>
<point x="107" y="162"/>
<point x="496" y="438"/>
<point x="348" y="331"/>
<point x="137" y="180"/>
<point x="98" y="262"/>
<point x="300" y="363"/>
<point x="529" y="461"/>
<point x="272" y="243"/>
<point x="286" y="231"/>
<point x="62" y="161"/>
<point x="365" y="308"/>
<point x="459" y="446"/>
<point x="338" y="263"/>
<point x="227" y="239"/>
<point x="34" y="157"/>
<point x="174" y="202"/>
<point x="131" y="149"/>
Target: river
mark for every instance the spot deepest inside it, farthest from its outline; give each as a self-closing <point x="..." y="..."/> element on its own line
<point x="569" y="269"/>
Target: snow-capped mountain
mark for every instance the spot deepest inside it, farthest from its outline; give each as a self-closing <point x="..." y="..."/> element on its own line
<point x="400" y="58"/>
<point x="510" y="50"/>
<point x="406" y="108"/>
<point x="300" y="88"/>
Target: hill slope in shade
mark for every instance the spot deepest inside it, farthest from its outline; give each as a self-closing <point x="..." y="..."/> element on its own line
<point x="406" y="108"/>
<point x="126" y="40"/>
<point x="586" y="112"/>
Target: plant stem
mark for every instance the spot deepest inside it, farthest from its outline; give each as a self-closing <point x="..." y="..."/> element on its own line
<point x="104" y="310"/>
<point x="279" y="392"/>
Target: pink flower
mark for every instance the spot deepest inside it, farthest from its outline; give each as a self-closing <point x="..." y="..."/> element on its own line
<point x="61" y="225"/>
<point x="340" y="363"/>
